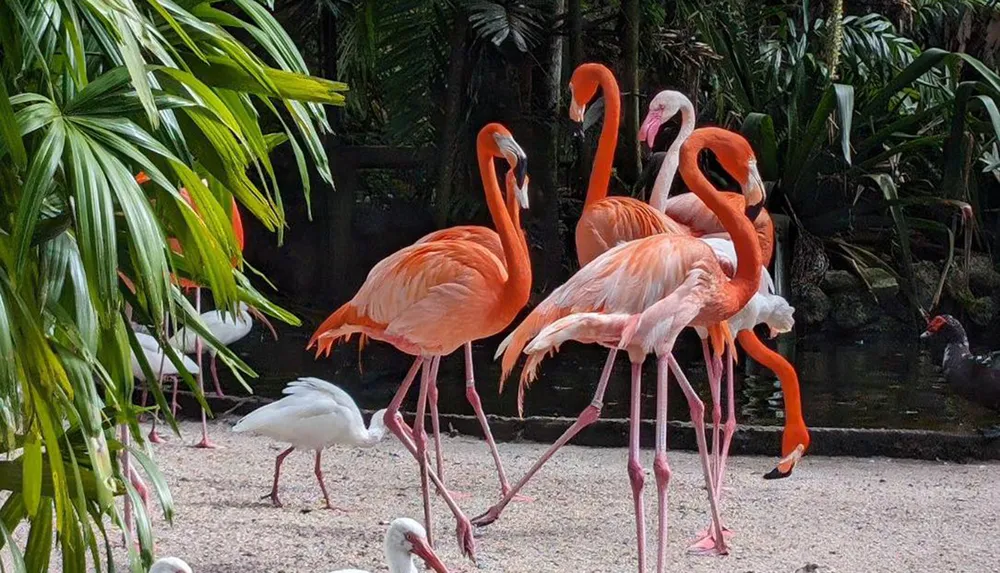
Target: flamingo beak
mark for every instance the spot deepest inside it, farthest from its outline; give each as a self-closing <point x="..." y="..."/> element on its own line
<point x="754" y="191"/>
<point x="260" y="316"/>
<point x="650" y="127"/>
<point x="576" y="111"/>
<point x="786" y="464"/>
<point x="518" y="161"/>
<point x="423" y="550"/>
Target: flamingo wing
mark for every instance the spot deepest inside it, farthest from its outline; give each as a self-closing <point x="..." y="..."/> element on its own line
<point x="425" y="297"/>
<point x="627" y="279"/>
<point x="482" y="236"/>
<point x="616" y="220"/>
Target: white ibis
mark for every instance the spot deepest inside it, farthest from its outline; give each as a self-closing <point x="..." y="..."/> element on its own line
<point x="162" y="366"/>
<point x="406" y="540"/>
<point x="170" y="565"/>
<point x="313" y="415"/>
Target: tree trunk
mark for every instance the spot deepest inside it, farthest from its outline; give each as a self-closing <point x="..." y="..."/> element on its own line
<point x="575" y="19"/>
<point x="452" y="117"/>
<point x="629" y="142"/>
<point x="548" y="267"/>
<point x="338" y="203"/>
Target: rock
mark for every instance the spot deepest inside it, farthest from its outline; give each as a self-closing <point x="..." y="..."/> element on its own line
<point x="982" y="310"/>
<point x="839" y="281"/>
<point x="883" y="284"/>
<point x="852" y="310"/>
<point x="983" y="277"/>
<point x="811" y="304"/>
<point x="925" y="281"/>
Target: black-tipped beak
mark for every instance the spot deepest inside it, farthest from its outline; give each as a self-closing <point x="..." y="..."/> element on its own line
<point x="778" y="474"/>
<point x="753" y="210"/>
<point x="521" y="170"/>
<point x="577" y="130"/>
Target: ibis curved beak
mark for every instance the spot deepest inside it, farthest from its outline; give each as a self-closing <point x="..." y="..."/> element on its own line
<point x="423" y="550"/>
<point x="260" y="316"/>
<point x="786" y="464"/>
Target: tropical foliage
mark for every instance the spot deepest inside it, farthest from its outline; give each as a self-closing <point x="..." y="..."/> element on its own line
<point x="92" y="92"/>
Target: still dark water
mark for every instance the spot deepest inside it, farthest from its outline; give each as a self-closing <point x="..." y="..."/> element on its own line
<point x="871" y="383"/>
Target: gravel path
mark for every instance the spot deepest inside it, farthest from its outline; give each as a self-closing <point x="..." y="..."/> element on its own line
<point x="844" y="515"/>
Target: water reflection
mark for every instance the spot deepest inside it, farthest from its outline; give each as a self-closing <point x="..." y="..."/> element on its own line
<point x="874" y="383"/>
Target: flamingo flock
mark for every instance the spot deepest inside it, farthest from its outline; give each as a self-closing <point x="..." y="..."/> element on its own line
<point x="647" y="272"/>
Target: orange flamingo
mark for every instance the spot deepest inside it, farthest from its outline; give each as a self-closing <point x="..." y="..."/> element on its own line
<point x="489" y="239"/>
<point x="430" y="299"/>
<point x="187" y="284"/>
<point x="675" y="281"/>
<point x="689" y="210"/>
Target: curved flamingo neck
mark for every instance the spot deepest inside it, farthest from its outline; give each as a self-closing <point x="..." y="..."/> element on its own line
<point x="600" y="175"/>
<point x="788" y="378"/>
<point x="665" y="176"/>
<point x="738" y="291"/>
<point x="518" y="267"/>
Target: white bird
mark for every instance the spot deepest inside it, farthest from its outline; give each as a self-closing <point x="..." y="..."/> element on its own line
<point x="161" y="365"/>
<point x="405" y="540"/>
<point x="313" y="415"/>
<point x="225" y="327"/>
<point x="764" y="308"/>
<point x="170" y="565"/>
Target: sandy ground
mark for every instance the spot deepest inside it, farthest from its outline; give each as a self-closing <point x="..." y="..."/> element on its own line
<point x="843" y="515"/>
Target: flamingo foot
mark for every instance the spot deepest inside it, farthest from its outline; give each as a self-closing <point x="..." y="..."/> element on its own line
<point x="155" y="437"/>
<point x="336" y="508"/>
<point x="707" y="544"/>
<point x="206" y="444"/>
<point x="466" y="542"/>
<point x="517" y="497"/>
<point x="274" y="499"/>
<point x="486" y="518"/>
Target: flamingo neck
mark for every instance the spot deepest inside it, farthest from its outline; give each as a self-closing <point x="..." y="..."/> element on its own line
<point x="741" y="288"/>
<point x="665" y="177"/>
<point x="787" y="376"/>
<point x="600" y="175"/>
<point x="518" y="285"/>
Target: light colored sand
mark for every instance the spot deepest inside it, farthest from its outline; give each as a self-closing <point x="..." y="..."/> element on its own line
<point x="846" y="515"/>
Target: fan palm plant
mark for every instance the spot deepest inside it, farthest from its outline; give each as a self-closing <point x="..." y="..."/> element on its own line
<point x="91" y="93"/>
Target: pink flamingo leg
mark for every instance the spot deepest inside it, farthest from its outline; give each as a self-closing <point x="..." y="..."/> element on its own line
<point x="477" y="406"/>
<point x="704" y="538"/>
<point x="396" y="425"/>
<point x="635" y="471"/>
<point x="420" y="441"/>
<point x="661" y="468"/>
<point x="154" y="436"/>
<point x="698" y="420"/>
<point x="589" y="415"/>
<point x="173" y="398"/>
<point x="714" y="369"/>
<point x="277" y="472"/>
<point x="318" y="470"/>
<point x="215" y="378"/>
<point x="205" y="443"/>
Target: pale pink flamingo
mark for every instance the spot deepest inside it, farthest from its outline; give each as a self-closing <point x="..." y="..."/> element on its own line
<point x="430" y="299"/>
<point x="668" y="276"/>
<point x="489" y="239"/>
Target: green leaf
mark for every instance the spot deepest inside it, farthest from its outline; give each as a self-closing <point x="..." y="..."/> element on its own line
<point x="38" y="184"/>
<point x="845" y="113"/>
<point x="38" y="550"/>
<point x="758" y="128"/>
<point x="891" y="195"/>
<point x="32" y="474"/>
<point x="15" y="553"/>
<point x="9" y="130"/>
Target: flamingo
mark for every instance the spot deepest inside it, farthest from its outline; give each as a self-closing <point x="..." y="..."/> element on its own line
<point x="491" y="240"/>
<point x="237" y="224"/>
<point x="667" y="276"/>
<point x="429" y="299"/>
<point x="170" y="565"/>
<point x="157" y="358"/>
<point x="404" y="542"/>
<point x="313" y="415"/>
<point x="226" y="328"/>
<point x="690" y="211"/>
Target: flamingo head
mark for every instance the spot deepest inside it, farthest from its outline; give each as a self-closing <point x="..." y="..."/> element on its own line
<point x="787" y="463"/>
<point x="662" y="108"/>
<point x="737" y="157"/>
<point x="507" y="147"/>
<point x="582" y="88"/>
<point x="408" y="537"/>
<point x="170" y="565"/>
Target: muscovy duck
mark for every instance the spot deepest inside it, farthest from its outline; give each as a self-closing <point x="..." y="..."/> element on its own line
<point x="974" y="377"/>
